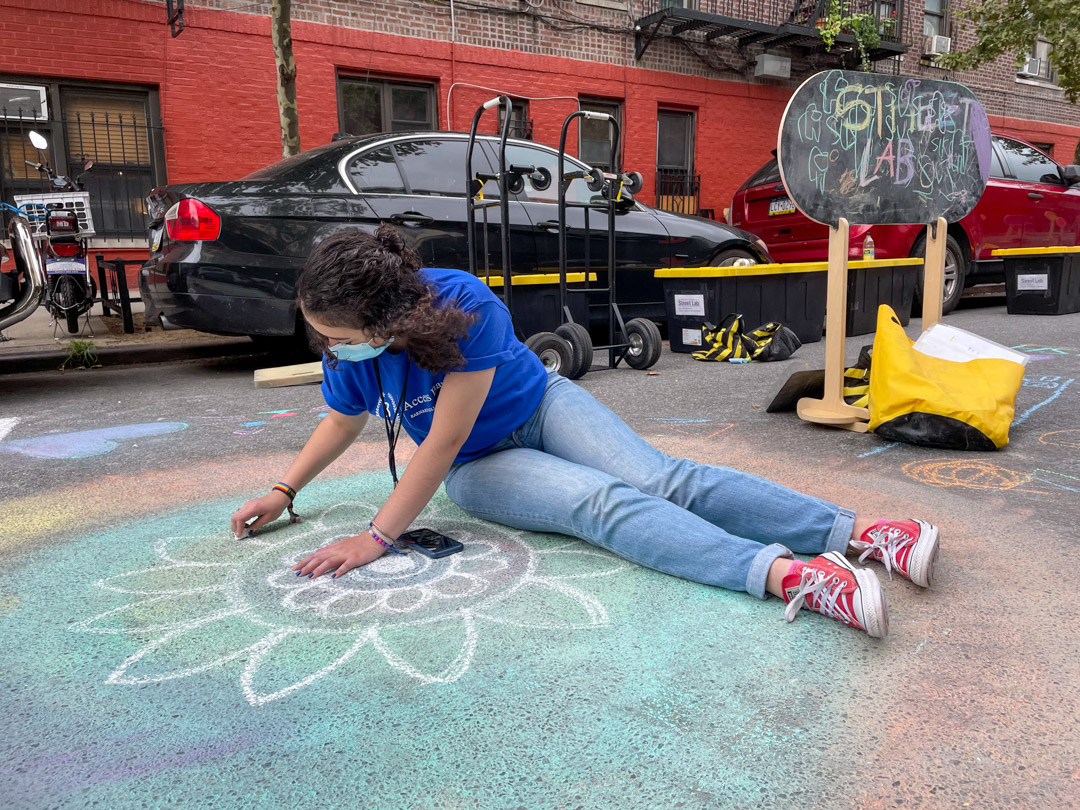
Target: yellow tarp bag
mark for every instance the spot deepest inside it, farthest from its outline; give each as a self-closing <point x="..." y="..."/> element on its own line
<point x="929" y="401"/>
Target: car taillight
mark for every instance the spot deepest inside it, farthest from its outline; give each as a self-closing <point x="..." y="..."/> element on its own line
<point x="65" y="248"/>
<point x="192" y="220"/>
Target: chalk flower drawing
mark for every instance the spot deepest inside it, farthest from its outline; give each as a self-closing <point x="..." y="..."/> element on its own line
<point x="209" y="601"/>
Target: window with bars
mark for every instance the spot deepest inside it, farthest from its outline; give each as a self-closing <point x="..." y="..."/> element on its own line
<point x="368" y="106"/>
<point x="112" y="127"/>
<point x="521" y="126"/>
<point x="112" y="130"/>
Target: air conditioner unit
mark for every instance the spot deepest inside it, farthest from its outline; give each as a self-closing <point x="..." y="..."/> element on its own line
<point x="936" y="45"/>
<point x="23" y="101"/>
<point x="1032" y="67"/>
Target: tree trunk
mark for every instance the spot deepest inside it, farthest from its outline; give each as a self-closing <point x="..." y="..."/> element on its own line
<point x="281" y="26"/>
<point x="1076" y="155"/>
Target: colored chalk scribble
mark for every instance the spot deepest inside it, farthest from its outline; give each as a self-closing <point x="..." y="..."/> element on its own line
<point x="208" y="600"/>
<point x="1062" y="438"/>
<point x="969" y="474"/>
<point x="250" y="428"/>
<point x="86" y="443"/>
<point x="883" y="149"/>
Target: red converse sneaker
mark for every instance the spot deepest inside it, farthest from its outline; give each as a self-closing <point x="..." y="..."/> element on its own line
<point x="834" y="587"/>
<point x="908" y="547"/>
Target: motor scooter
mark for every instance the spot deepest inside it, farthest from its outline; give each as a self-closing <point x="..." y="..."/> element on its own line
<point x="71" y="290"/>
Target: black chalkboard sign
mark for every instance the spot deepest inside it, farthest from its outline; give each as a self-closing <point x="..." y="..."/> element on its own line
<point x="882" y="149"/>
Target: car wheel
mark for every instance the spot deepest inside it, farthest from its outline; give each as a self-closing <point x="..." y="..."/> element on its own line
<point x="581" y="348"/>
<point x="554" y="352"/>
<point x="955" y="273"/>
<point x="645" y="343"/>
<point x="732" y="256"/>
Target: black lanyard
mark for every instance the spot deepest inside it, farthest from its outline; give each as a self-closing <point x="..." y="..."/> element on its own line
<point x="392" y="424"/>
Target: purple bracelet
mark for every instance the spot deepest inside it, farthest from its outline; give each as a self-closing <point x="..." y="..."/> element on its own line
<point x="374" y="532"/>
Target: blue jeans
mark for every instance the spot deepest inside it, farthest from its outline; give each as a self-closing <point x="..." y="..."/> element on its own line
<point x="576" y="468"/>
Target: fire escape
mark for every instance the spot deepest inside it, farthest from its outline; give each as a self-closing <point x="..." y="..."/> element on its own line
<point x="767" y="23"/>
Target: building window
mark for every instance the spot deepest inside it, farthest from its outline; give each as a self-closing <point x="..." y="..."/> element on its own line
<point x="23" y="108"/>
<point x="521" y="126"/>
<point x="1048" y="148"/>
<point x="675" y="140"/>
<point x="677" y="187"/>
<point x="1038" y="65"/>
<point x="382" y="105"/>
<point x="936" y="18"/>
<point x="114" y="128"/>
<point x="594" y="137"/>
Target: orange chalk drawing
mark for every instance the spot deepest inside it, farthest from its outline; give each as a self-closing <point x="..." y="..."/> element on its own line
<point x="969" y="474"/>
<point x="1063" y="438"/>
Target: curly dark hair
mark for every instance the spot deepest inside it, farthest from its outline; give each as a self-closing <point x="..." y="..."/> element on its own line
<point x="369" y="281"/>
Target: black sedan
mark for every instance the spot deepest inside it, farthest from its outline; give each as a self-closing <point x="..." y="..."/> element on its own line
<point x="224" y="256"/>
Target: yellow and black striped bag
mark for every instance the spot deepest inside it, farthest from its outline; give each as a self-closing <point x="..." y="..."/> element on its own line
<point x="770" y="341"/>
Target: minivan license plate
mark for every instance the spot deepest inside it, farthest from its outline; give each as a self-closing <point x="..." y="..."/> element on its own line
<point x="781" y="205"/>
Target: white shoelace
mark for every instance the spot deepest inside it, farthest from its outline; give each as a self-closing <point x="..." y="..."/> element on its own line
<point x="890" y="539"/>
<point x="812" y="583"/>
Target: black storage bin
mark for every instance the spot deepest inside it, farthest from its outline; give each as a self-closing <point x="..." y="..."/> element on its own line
<point x="1041" y="281"/>
<point x="874" y="282"/>
<point x="793" y="294"/>
<point x="536" y="301"/>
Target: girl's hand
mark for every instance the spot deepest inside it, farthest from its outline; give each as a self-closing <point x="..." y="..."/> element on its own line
<point x="346" y="554"/>
<point x="268" y="507"/>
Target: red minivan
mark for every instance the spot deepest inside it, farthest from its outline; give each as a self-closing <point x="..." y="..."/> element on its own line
<point x="1030" y="201"/>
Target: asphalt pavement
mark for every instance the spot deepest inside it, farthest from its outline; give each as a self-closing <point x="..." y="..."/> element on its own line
<point x="134" y="677"/>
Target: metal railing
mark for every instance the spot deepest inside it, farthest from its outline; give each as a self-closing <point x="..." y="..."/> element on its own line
<point x="123" y="147"/>
<point x="678" y="191"/>
<point x="804" y="13"/>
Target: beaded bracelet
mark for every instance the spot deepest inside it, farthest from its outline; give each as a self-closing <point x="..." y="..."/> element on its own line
<point x="374" y="531"/>
<point x="290" y="493"/>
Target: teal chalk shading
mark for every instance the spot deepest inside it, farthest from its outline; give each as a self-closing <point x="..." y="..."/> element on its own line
<point x="686" y="695"/>
<point x="877" y="450"/>
<point x="87" y="443"/>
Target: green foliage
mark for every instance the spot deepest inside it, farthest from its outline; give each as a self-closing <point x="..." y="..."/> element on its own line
<point x="1013" y="26"/>
<point x="866" y="28"/>
<point x="80" y="354"/>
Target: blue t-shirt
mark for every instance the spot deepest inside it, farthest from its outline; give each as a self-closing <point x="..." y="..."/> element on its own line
<point x="515" y="392"/>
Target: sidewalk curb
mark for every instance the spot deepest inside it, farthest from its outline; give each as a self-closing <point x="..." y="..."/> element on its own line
<point x="129" y="355"/>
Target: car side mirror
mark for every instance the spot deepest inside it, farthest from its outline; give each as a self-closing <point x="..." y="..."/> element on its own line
<point x="1072" y="174"/>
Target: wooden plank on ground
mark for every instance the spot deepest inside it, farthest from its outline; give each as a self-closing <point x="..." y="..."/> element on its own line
<point x="281" y="376"/>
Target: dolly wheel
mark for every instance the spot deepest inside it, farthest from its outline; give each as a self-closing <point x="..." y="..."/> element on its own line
<point x="554" y="352"/>
<point x="645" y="343"/>
<point x="581" y="349"/>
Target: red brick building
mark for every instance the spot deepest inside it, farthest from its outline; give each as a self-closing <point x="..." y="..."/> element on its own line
<point x="107" y="80"/>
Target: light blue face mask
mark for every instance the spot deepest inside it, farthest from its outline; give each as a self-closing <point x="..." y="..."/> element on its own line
<point x="357" y="352"/>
